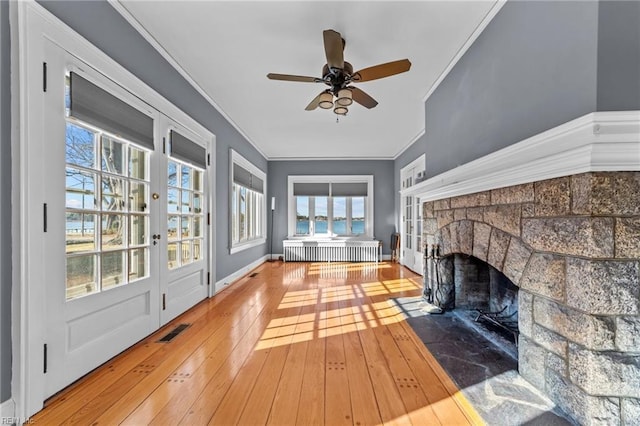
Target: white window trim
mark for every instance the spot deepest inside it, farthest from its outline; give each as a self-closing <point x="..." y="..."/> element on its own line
<point x="291" y="216"/>
<point x="236" y="158"/>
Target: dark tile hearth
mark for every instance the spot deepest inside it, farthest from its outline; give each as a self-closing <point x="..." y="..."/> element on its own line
<point x="488" y="376"/>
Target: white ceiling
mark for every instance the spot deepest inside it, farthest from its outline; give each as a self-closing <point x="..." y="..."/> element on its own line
<point x="227" y="49"/>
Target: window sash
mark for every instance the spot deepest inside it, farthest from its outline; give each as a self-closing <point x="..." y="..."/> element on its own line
<point x="312" y="229"/>
<point x="248" y="227"/>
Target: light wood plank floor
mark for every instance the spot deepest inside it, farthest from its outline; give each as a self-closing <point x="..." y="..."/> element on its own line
<point x="298" y="343"/>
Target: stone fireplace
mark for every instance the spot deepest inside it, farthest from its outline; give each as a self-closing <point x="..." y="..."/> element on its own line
<point x="571" y="246"/>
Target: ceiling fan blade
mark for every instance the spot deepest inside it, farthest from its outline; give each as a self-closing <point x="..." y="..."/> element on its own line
<point x="362" y="98"/>
<point x="314" y="103"/>
<point x="333" y="48"/>
<point x="299" y="78"/>
<point x="380" y="71"/>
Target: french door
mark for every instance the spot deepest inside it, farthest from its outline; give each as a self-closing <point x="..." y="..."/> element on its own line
<point x="125" y="240"/>
<point x="411" y="255"/>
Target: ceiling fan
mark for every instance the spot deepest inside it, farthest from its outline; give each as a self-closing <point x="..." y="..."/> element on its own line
<point x="338" y="75"/>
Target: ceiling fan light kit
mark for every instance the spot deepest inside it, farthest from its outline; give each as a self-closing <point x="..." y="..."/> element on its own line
<point x="338" y="75"/>
<point x="345" y="97"/>
<point x="340" y="110"/>
<point x="326" y="100"/>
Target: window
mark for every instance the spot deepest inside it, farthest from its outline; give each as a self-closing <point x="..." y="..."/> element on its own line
<point x="326" y="206"/>
<point x="107" y="190"/>
<point x="248" y="204"/>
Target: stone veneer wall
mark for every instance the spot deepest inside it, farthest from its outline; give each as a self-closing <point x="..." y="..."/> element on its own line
<point x="572" y="246"/>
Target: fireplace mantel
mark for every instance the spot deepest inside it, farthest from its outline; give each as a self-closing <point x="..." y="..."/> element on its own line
<point x="600" y="141"/>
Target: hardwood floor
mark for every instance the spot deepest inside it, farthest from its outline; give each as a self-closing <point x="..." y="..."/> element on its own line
<point x="298" y="343"/>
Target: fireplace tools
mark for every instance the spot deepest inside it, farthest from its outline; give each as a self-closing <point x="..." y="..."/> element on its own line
<point x="433" y="293"/>
<point x="504" y="321"/>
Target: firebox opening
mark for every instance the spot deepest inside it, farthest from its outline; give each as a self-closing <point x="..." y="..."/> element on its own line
<point x="480" y="294"/>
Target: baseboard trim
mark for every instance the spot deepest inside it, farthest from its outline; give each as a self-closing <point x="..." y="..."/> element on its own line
<point x="8" y="412"/>
<point x="230" y="279"/>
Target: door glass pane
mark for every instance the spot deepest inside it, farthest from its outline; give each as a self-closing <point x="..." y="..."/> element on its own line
<point x="172" y="200"/>
<point x="112" y="231"/>
<point x="81" y="189"/>
<point x="173" y="255"/>
<point x="172" y="173"/>
<point x="197" y="200"/>
<point x="80" y="232"/>
<point x="172" y="228"/>
<point x="186" y="201"/>
<point x="113" y="155"/>
<point x="138" y="196"/>
<point x="186" y="252"/>
<point x="81" y="276"/>
<point x="137" y="163"/>
<point x="80" y="146"/>
<point x="112" y="193"/>
<point x="137" y="228"/>
<point x="186" y="227"/>
<point x="197" y="180"/>
<point x="137" y="264"/>
<point x="112" y="269"/>
<point x="197" y="249"/>
<point x="185" y="177"/>
<point x="197" y="223"/>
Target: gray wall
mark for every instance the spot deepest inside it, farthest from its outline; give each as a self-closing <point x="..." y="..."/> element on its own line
<point x="107" y="29"/>
<point x="5" y="207"/>
<point x="619" y="56"/>
<point x="383" y="185"/>
<point x="533" y="68"/>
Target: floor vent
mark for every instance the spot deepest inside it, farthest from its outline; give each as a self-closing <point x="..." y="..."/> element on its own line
<point x="253" y="275"/>
<point x="173" y="333"/>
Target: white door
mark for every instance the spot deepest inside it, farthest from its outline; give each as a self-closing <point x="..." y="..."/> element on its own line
<point x="411" y="234"/>
<point x="102" y="268"/>
<point x="184" y="232"/>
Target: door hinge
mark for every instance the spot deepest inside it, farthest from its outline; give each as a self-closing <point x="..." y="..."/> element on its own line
<point x="208" y="278"/>
<point x="209" y="218"/>
<point x="44" y="76"/>
<point x="44" y="217"/>
<point x="45" y="359"/>
<point x="208" y="159"/>
<point x="164" y="301"/>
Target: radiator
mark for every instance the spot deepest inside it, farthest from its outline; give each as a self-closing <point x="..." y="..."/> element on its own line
<point x="331" y="251"/>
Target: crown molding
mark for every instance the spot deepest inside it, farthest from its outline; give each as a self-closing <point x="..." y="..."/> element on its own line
<point x="600" y="141"/>
<point x="467" y="44"/>
<point x="122" y="10"/>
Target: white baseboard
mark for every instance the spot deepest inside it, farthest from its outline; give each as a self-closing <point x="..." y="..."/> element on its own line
<point x="8" y="411"/>
<point x="227" y="281"/>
